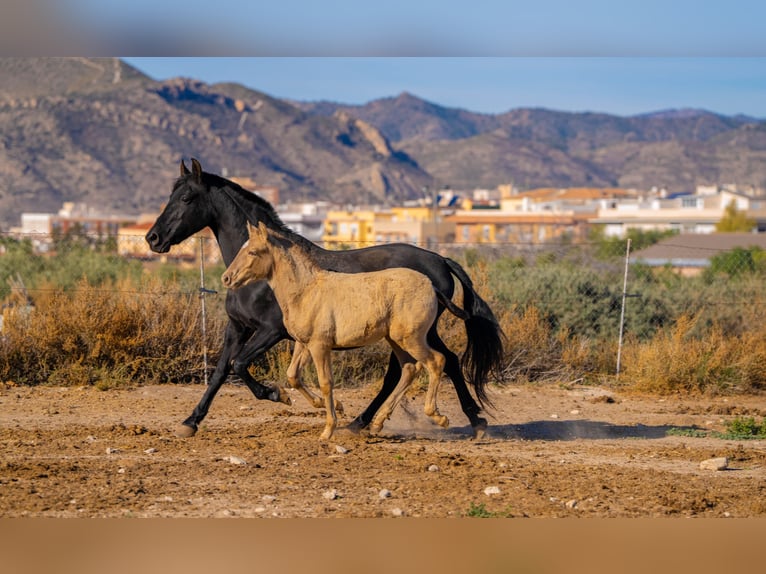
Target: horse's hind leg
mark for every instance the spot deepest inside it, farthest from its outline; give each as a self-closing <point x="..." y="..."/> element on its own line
<point x="435" y="366"/>
<point x="298" y="363"/>
<point x="390" y="380"/>
<point x="408" y="370"/>
<point x="454" y="371"/>
<point x="434" y="362"/>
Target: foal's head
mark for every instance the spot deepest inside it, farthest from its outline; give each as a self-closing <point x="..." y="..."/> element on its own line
<point x="254" y="260"/>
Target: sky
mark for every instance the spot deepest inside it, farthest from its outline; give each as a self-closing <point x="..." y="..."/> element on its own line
<point x="488" y="56"/>
<point x="622" y="86"/>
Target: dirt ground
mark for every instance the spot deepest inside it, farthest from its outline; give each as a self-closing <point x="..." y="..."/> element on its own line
<point x="550" y="451"/>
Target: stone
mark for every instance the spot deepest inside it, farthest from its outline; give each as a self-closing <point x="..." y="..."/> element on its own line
<point x="384" y="493"/>
<point x="331" y="494"/>
<point x="490" y="490"/>
<point x="718" y="463"/>
<point x="236" y="460"/>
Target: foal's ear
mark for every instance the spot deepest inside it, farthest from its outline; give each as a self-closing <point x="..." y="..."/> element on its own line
<point x="184" y="169"/>
<point x="197" y="170"/>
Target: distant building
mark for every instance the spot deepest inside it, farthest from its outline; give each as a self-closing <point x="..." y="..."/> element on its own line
<point x="268" y="192"/>
<point x="306" y="219"/>
<point x="689" y="254"/>
<point x="696" y="213"/>
<point x="537" y="216"/>
<point x="474" y="227"/>
<point x="418" y="225"/>
<point x="131" y="242"/>
<point x="71" y="218"/>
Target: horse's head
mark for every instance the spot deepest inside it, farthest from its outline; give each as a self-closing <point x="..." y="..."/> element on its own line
<point x="188" y="210"/>
<point x="254" y="260"/>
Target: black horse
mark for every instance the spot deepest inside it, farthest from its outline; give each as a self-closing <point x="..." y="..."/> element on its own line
<point x="200" y="199"/>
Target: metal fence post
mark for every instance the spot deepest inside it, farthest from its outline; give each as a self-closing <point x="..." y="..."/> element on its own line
<point x="202" y="292"/>
<point x="622" y="312"/>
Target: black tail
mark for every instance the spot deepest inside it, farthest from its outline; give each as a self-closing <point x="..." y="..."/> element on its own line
<point x="484" y="354"/>
<point x="451" y="307"/>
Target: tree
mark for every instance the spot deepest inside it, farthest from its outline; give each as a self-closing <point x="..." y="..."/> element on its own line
<point x="734" y="220"/>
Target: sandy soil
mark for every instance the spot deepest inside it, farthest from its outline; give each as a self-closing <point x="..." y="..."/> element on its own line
<point x="549" y="452"/>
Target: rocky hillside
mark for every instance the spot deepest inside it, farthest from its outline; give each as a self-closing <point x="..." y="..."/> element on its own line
<point x="676" y="149"/>
<point x="101" y="132"/>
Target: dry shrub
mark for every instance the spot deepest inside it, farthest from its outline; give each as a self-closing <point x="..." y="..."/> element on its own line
<point x="108" y="335"/>
<point x="675" y="361"/>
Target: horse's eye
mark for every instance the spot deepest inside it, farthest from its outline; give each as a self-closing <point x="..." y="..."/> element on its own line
<point x="187" y="198"/>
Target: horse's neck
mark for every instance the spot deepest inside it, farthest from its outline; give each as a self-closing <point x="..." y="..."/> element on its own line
<point x="229" y="228"/>
<point x="292" y="273"/>
<point x="231" y="231"/>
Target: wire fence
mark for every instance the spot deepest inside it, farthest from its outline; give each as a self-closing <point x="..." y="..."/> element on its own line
<point x="601" y="290"/>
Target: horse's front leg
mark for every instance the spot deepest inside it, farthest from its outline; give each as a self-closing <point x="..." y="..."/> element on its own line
<point x="300" y="359"/>
<point x="322" y="360"/>
<point x="264" y="339"/>
<point x="234" y="338"/>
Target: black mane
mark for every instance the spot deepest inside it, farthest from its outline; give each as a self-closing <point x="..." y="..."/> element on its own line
<point x="254" y="207"/>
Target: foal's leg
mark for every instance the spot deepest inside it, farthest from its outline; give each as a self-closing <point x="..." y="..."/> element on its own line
<point x="435" y="366"/>
<point x="408" y="370"/>
<point x="300" y="360"/>
<point x="390" y="380"/>
<point x="322" y="360"/>
<point x="434" y="363"/>
<point x="454" y="371"/>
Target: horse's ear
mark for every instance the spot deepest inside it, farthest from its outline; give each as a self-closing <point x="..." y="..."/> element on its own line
<point x="197" y="170"/>
<point x="251" y="229"/>
<point x="184" y="169"/>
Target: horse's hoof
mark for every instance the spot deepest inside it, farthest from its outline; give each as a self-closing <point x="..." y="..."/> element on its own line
<point x="375" y="428"/>
<point x="339" y="408"/>
<point x="480" y="429"/>
<point x="326" y="434"/>
<point x="280" y="395"/>
<point x="442" y="421"/>
<point x="356" y="426"/>
<point x="185" y="431"/>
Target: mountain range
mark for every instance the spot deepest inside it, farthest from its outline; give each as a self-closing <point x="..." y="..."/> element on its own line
<point x="98" y="131"/>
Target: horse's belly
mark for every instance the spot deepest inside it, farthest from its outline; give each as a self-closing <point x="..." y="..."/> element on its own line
<point x="359" y="334"/>
<point x="354" y="327"/>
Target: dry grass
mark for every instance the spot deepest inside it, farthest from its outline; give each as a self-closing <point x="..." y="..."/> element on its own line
<point x="108" y="335"/>
<point x="120" y="333"/>
<point x="674" y="361"/>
